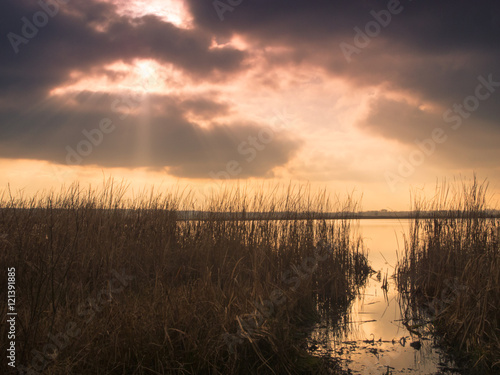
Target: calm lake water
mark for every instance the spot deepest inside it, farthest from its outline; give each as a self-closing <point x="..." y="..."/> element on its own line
<point x="374" y="340"/>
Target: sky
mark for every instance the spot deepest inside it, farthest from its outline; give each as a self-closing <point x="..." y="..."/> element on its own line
<point x="380" y="98"/>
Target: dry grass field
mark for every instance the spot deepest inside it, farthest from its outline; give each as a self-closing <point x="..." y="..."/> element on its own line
<point x="450" y="275"/>
<point x="108" y="285"/>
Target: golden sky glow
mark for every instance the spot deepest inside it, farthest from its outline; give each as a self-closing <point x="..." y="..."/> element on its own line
<point x="172" y="11"/>
<point x="184" y="96"/>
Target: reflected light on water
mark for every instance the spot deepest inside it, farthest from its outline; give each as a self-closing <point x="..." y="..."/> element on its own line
<point x="374" y="339"/>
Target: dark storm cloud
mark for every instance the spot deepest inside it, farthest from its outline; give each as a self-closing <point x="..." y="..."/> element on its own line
<point x="427" y="25"/>
<point x="71" y="41"/>
<point x="399" y="120"/>
<point x="409" y="124"/>
<point x="132" y="138"/>
<point x="432" y="49"/>
<point x="204" y="107"/>
<point x="86" y="35"/>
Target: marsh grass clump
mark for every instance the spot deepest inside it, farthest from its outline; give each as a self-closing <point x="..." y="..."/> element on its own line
<point x="450" y="274"/>
<point x="112" y="285"/>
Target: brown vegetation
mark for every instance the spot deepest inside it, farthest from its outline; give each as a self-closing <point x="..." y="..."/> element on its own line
<point x="104" y="290"/>
<point x="450" y="275"/>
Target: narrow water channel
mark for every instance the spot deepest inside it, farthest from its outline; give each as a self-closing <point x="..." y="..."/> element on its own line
<point x="373" y="339"/>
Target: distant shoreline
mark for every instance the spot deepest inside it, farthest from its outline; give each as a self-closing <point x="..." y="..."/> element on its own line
<point x="247" y="216"/>
<point x="182" y="215"/>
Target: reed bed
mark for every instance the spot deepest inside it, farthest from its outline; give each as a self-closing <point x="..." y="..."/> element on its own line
<point x="450" y="274"/>
<point x="112" y="285"/>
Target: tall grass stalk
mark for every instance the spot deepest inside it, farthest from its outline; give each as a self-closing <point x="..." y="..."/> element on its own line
<point x="450" y="273"/>
<point x="192" y="279"/>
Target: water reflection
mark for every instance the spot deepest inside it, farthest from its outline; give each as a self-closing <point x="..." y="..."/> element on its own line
<point x="372" y="338"/>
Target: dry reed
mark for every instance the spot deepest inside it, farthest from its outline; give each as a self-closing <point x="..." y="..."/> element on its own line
<point x="450" y="274"/>
<point x="190" y="280"/>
